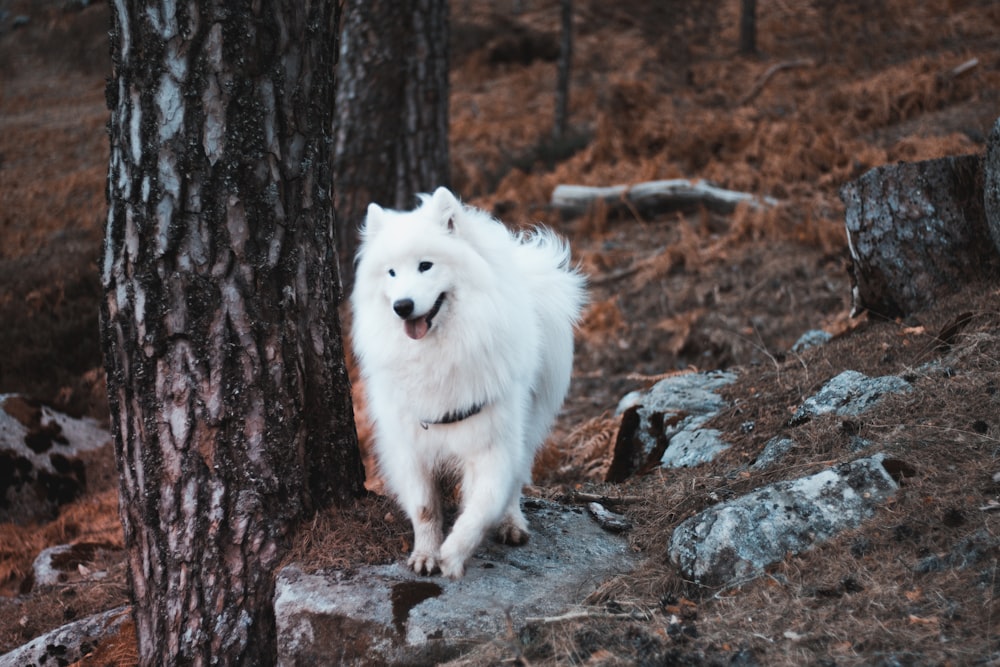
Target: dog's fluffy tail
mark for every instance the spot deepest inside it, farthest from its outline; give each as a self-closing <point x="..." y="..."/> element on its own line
<point x="558" y="295"/>
<point x="549" y="244"/>
<point x="559" y="285"/>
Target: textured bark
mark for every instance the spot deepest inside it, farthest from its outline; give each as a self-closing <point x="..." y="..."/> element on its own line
<point x="991" y="185"/>
<point x="916" y="232"/>
<point x="392" y="109"/>
<point x="230" y="403"/>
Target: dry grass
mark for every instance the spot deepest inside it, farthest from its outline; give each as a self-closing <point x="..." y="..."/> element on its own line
<point x="115" y="651"/>
<point x="372" y="531"/>
<point x="918" y="584"/>
<point x="583" y="455"/>
<point x="93" y="518"/>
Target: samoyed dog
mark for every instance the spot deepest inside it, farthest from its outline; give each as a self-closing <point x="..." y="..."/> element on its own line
<point x="463" y="333"/>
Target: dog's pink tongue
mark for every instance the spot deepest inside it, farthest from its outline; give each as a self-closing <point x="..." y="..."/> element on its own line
<point x="417" y="328"/>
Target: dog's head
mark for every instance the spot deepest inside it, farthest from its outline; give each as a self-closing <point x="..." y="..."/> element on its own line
<point x="408" y="259"/>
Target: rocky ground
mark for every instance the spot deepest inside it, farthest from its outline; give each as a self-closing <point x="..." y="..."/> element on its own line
<point x="659" y="92"/>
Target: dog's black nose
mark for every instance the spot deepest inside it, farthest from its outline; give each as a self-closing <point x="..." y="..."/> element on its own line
<point x="403" y="307"/>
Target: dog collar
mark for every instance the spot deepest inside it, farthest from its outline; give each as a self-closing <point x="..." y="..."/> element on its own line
<point x="456" y="416"/>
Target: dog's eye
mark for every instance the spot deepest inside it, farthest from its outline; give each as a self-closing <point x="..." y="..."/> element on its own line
<point x="425" y="266"/>
<point x="392" y="273"/>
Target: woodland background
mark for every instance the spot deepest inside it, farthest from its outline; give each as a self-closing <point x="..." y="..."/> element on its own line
<point x="658" y="90"/>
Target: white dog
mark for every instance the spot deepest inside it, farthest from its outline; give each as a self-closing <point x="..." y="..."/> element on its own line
<point x="464" y="337"/>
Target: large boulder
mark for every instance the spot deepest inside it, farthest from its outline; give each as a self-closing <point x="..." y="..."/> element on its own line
<point x="388" y="615"/>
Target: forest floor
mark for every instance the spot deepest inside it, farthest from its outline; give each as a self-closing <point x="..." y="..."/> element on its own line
<point x="658" y="91"/>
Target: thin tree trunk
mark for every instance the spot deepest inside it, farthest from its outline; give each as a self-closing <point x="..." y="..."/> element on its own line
<point x="230" y="403"/>
<point x="565" y="58"/>
<point x="392" y="109"/>
<point x="748" y="27"/>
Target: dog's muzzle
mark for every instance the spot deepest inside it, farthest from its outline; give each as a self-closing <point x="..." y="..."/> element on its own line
<point x="417" y="327"/>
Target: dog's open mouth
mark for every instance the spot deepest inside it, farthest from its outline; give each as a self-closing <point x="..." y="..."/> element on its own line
<point x="417" y="327"/>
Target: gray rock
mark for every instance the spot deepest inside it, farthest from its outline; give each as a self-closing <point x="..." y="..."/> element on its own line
<point x="68" y="563"/>
<point x="68" y="644"/>
<point x="691" y="392"/>
<point x="857" y="443"/>
<point x="692" y="444"/>
<point x="812" y="338"/>
<point x="775" y="448"/>
<point x="40" y="464"/>
<point x="664" y="424"/>
<point x="849" y="393"/>
<point x="967" y="552"/>
<point x="388" y="615"/>
<point x="44" y="571"/>
<point x="737" y="539"/>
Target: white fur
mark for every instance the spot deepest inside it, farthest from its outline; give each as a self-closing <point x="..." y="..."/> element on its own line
<point x="503" y="339"/>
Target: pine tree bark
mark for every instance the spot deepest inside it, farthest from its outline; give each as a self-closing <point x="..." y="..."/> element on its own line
<point x="392" y="109"/>
<point x="230" y="403"/>
<point x="917" y="232"/>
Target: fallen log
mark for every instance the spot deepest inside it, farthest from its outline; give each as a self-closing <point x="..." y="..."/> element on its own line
<point x="652" y="197"/>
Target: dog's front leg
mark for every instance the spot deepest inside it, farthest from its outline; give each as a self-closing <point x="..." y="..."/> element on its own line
<point x="416" y="491"/>
<point x="487" y="487"/>
<point x="426" y="520"/>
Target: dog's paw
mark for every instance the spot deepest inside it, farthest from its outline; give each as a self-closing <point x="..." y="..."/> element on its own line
<point x="423" y="562"/>
<point x="510" y="533"/>
<point x="452" y="568"/>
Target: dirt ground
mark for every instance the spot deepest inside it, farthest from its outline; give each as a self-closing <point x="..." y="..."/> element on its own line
<point x="659" y="91"/>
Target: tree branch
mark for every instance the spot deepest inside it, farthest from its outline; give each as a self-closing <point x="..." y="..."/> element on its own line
<point x="771" y="71"/>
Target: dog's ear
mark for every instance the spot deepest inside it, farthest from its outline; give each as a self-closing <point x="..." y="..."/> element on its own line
<point x="373" y="220"/>
<point x="447" y="207"/>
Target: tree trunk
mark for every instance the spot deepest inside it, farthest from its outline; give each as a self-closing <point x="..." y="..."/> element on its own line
<point x="748" y="27"/>
<point x="916" y="232"/>
<point x="991" y="184"/>
<point x="392" y="109"/>
<point x="565" y="59"/>
<point x="230" y="403"/>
